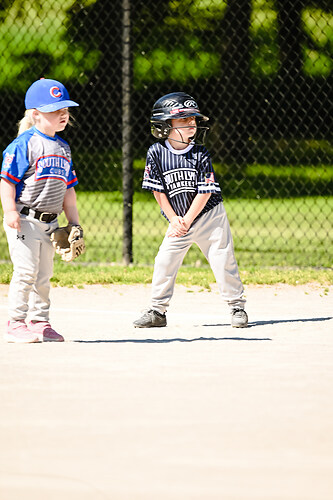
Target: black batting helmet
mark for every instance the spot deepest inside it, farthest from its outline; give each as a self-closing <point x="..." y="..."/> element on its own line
<point x="174" y="105"/>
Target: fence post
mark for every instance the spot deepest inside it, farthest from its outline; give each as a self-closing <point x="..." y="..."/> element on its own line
<point x="126" y="135"/>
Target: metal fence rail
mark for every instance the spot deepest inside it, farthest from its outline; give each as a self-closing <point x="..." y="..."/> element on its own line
<point x="262" y="70"/>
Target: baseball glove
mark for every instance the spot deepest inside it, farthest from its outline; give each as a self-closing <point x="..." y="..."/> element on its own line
<point x="68" y="241"/>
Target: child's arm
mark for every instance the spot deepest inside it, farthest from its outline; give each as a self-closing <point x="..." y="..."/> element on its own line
<point x="70" y="207"/>
<point x="8" y="194"/>
<point x="196" y="207"/>
<point x="176" y="222"/>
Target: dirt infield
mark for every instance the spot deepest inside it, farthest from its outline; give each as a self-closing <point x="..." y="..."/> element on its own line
<point x="197" y="410"/>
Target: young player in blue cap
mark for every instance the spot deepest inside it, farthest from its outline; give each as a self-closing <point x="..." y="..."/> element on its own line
<point x="37" y="184"/>
<point x="180" y="174"/>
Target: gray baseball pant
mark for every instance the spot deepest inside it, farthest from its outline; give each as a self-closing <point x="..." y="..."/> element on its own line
<point x="211" y="232"/>
<point x="32" y="254"/>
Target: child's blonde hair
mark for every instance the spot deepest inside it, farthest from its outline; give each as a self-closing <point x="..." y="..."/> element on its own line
<point x="26" y="122"/>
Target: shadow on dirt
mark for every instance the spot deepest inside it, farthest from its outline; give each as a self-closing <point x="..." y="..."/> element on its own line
<point x="166" y="341"/>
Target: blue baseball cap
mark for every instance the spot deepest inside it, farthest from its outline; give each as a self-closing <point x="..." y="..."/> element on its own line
<point x="48" y="95"/>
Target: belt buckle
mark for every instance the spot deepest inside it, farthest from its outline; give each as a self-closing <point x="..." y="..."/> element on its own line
<point x="47" y="215"/>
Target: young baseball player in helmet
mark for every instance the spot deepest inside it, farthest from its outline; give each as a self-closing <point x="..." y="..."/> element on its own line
<point x="37" y="184"/>
<point x="180" y="174"/>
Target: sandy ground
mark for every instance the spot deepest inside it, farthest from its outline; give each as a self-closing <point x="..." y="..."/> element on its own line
<point x="197" y="410"/>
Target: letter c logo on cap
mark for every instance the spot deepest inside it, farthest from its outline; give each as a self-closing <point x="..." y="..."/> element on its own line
<point x="55" y="92"/>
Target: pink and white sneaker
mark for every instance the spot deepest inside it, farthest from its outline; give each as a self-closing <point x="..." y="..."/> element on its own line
<point x="18" y="332"/>
<point x="45" y="332"/>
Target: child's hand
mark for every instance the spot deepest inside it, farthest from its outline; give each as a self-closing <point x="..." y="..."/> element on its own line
<point x="187" y="223"/>
<point x="12" y="219"/>
<point x="177" y="227"/>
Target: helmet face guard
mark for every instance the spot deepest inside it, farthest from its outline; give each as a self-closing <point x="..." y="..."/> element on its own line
<point x="175" y="105"/>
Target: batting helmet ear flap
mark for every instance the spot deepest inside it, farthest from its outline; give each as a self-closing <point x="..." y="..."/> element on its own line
<point x="160" y="130"/>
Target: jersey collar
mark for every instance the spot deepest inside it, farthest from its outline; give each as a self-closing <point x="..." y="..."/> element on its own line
<point x="178" y="151"/>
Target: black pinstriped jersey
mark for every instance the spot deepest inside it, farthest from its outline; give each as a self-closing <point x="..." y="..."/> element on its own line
<point x="186" y="173"/>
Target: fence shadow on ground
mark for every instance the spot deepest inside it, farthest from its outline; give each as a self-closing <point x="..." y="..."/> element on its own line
<point x="300" y="320"/>
<point x="197" y="339"/>
<point x="165" y="341"/>
<point x="274" y="321"/>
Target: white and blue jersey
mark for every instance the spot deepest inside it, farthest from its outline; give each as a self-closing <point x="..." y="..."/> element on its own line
<point x="41" y="168"/>
<point x="186" y="173"/>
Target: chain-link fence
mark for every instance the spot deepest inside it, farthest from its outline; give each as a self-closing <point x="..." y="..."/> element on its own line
<point x="262" y="70"/>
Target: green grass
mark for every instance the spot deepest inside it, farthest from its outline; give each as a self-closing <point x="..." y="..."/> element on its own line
<point x="267" y="232"/>
<point x="308" y="171"/>
<point x="288" y="232"/>
<point x="294" y="174"/>
<point x="75" y="274"/>
<point x="276" y="241"/>
<point x="284" y="232"/>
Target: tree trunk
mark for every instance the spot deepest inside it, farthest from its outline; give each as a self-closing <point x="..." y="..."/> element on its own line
<point x="235" y="96"/>
<point x="289" y="85"/>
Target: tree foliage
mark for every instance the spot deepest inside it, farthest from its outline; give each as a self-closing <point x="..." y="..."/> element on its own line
<point x="34" y="43"/>
<point x="177" y="40"/>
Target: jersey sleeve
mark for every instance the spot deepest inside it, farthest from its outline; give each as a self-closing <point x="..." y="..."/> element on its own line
<point x="206" y="178"/>
<point x="15" y="162"/>
<point x="151" y="176"/>
<point x="72" y="179"/>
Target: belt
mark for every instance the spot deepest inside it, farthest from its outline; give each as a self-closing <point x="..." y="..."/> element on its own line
<point x="36" y="214"/>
